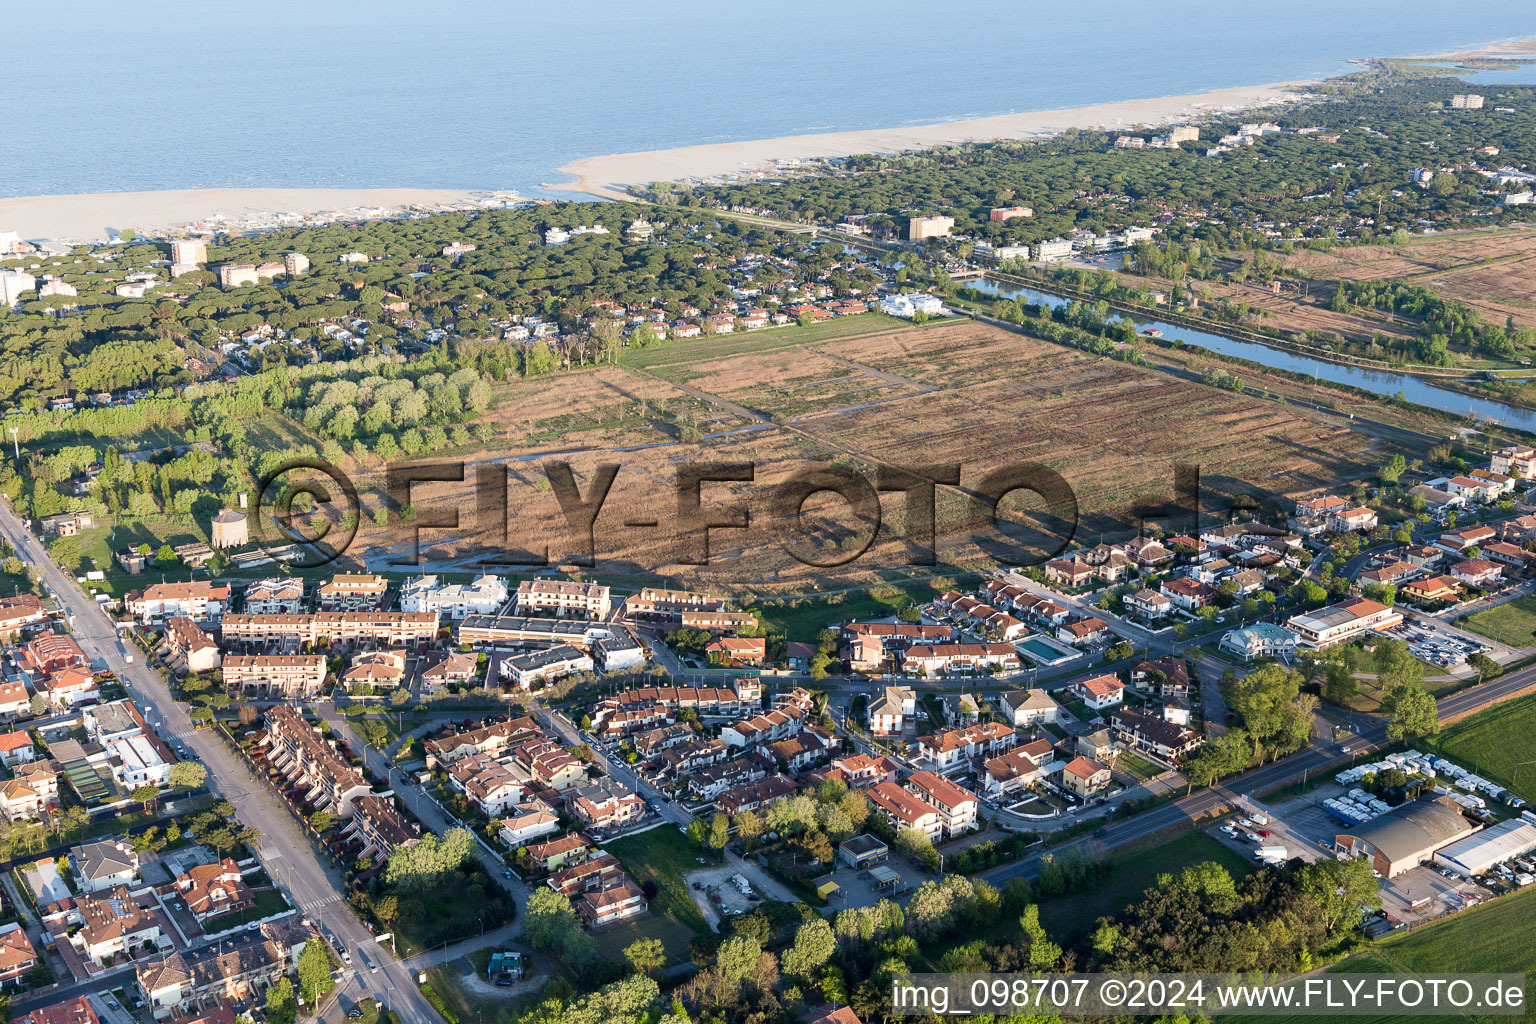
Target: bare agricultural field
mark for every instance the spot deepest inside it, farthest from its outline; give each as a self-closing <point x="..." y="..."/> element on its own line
<point x="602" y="407"/>
<point x="961" y="393"/>
<point x="1493" y="269"/>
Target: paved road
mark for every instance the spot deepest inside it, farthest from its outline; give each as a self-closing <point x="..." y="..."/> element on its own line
<point x="284" y="850"/>
<point x="1320" y="756"/>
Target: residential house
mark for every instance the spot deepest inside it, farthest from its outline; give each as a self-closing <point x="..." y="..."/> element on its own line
<point x="905" y="811"/>
<point x="104" y="864"/>
<point x="1084" y="777"/>
<point x="956" y="807"/>
<point x="738" y="650"/>
<point x="17" y="957"/>
<point x="187" y="642"/>
<point x="1023" y="708"/>
<point x="1478" y="572"/>
<point x="1167" y="676"/>
<point x="1188" y="594"/>
<point x="528" y="822"/>
<point x="890" y="709"/>
<point x="214" y="889"/>
<point x="1152" y="735"/>
<point x="1099" y="692"/>
<point x="1149" y="604"/>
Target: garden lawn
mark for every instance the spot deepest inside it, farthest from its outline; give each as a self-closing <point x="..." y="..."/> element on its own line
<point x="664" y="857"/>
<point x="1512" y="623"/>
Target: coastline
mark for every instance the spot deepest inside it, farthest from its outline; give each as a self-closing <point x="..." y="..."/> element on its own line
<point x="607" y="176"/>
<point x="87" y="217"/>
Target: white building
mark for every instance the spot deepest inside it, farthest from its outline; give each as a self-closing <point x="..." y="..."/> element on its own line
<point x="908" y="306"/>
<point x="13" y="283"/>
<point x="135" y="763"/>
<point x="485" y="596"/>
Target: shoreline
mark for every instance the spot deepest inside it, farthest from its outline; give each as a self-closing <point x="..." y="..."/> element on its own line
<point x="94" y="216"/>
<point x="607" y="176"/>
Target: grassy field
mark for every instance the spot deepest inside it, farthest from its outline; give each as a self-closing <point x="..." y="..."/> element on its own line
<point x="1494" y="743"/>
<point x="809" y="616"/>
<point x="664" y="856"/>
<point x="1069" y="917"/>
<point x="1497" y="937"/>
<point x="1512" y="623"/>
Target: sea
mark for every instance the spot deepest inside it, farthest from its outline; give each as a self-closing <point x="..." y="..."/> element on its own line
<point x="496" y="94"/>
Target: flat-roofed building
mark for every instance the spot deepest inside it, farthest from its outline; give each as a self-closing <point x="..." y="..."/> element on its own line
<point x="537" y="667"/>
<point x="523" y="631"/>
<point x="1342" y="622"/>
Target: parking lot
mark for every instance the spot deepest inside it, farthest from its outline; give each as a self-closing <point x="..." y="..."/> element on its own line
<point x="1416" y="894"/>
<point x="1436" y="646"/>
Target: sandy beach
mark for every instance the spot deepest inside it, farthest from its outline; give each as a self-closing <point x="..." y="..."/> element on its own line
<point x="606" y="176"/>
<point x="86" y="218"/>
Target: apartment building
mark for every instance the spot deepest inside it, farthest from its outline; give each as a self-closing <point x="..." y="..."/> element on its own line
<point x="379" y="827"/>
<point x="187" y="641"/>
<point x="214" y="889"/>
<point x="949" y="748"/>
<point x="563" y="599"/>
<point x="351" y="592"/>
<point x="275" y="675"/>
<point x="391" y="629"/>
<point x="274" y="596"/>
<point x="905" y="811"/>
<point x="484" y="596"/>
<point x="536" y="668"/>
<point x="310" y="762"/>
<point x="956" y="806"/>
<point x="198" y="599"/>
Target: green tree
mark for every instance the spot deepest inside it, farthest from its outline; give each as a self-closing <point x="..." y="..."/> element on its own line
<point x="314" y="969"/>
<point x="719" y="832"/>
<point x="645" y="955"/>
<point x="1412" y="711"/>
